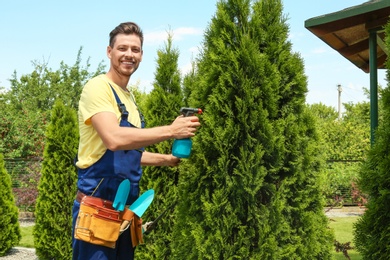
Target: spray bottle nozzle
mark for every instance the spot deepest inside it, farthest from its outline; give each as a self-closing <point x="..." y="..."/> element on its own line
<point x="189" y="111"/>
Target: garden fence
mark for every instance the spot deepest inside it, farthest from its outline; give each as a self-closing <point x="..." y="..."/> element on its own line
<point x="25" y="175"/>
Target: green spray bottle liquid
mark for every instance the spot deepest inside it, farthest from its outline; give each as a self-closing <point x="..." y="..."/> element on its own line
<point x="181" y="148"/>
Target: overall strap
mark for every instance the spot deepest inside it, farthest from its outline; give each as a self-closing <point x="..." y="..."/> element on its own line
<point x="122" y="108"/>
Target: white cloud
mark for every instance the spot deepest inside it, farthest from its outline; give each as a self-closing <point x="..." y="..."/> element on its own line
<point x="186" y="68"/>
<point x="160" y="36"/>
<point x="155" y="38"/>
<point x="182" y="31"/>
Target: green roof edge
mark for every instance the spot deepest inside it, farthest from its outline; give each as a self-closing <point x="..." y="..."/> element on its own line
<point x="347" y="12"/>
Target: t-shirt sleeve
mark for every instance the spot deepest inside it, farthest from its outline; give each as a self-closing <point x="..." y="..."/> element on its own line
<point x="96" y="97"/>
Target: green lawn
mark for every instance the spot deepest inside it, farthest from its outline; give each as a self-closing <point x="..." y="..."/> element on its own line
<point x="27" y="237"/>
<point x="342" y="227"/>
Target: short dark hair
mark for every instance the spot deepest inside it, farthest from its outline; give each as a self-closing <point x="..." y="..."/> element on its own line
<point x="126" y="28"/>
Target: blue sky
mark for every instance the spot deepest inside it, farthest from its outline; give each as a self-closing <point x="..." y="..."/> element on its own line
<point x="53" y="31"/>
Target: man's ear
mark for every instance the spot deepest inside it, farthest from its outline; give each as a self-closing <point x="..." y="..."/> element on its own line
<point x="109" y="49"/>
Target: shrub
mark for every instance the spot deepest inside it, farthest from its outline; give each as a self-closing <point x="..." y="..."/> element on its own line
<point x="9" y="225"/>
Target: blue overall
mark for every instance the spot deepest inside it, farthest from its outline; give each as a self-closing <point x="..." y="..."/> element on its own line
<point x="102" y="180"/>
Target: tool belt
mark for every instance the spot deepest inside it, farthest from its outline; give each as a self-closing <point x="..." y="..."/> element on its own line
<point x="100" y="224"/>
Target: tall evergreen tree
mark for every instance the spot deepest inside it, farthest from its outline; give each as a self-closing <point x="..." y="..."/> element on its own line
<point x="307" y="236"/>
<point x="372" y="231"/>
<point x="161" y="108"/>
<point x="57" y="186"/>
<point x="250" y="189"/>
<point x="189" y="82"/>
<point x="9" y="224"/>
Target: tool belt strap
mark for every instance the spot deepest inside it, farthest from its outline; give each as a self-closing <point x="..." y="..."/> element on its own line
<point x="127" y="214"/>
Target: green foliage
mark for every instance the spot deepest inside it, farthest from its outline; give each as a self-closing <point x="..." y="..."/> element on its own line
<point x="161" y="107"/>
<point x="372" y="231"/>
<point x="57" y="186"/>
<point x="9" y="226"/>
<point x="189" y="83"/>
<point x="347" y="138"/>
<point x="344" y="142"/>
<point x="22" y="132"/>
<point x="26" y="105"/>
<point x="250" y="189"/>
<point x="139" y="95"/>
<point x="338" y="184"/>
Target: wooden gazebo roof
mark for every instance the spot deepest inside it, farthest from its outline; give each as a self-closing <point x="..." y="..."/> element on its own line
<point x="357" y="34"/>
<point x="347" y="31"/>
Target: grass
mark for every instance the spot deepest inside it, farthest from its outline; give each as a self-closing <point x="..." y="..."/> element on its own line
<point x="343" y="227"/>
<point x="27" y="237"/>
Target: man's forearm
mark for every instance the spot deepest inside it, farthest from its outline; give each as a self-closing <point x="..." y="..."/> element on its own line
<point x="157" y="159"/>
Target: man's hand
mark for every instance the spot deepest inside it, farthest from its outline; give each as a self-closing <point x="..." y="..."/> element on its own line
<point x="171" y="160"/>
<point x="184" y="127"/>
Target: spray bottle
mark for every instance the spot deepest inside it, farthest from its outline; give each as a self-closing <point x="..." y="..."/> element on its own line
<point x="181" y="148"/>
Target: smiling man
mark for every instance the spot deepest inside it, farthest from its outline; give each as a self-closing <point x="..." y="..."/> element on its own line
<point x="111" y="148"/>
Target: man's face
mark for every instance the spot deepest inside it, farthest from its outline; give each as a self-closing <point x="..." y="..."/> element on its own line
<point x="126" y="54"/>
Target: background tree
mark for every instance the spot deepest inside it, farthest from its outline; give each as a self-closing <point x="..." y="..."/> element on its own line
<point x="372" y="231"/>
<point x="189" y="83"/>
<point x="140" y="95"/>
<point x="9" y="225"/>
<point x="344" y="142"/>
<point x="161" y="108"/>
<point x="23" y="132"/>
<point x="250" y="189"/>
<point x="30" y="98"/>
<point x="354" y="140"/>
<point x="57" y="186"/>
<point x="25" y="114"/>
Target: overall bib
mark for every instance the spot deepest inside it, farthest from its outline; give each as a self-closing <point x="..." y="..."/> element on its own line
<point x="102" y="180"/>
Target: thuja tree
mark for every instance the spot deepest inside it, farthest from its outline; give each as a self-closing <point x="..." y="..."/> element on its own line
<point x="372" y="231"/>
<point x="161" y="108"/>
<point x="305" y="233"/>
<point x="56" y="189"/>
<point x="9" y="224"/>
<point x="250" y="189"/>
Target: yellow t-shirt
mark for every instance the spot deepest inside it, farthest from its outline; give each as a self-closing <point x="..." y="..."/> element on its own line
<point x="96" y="97"/>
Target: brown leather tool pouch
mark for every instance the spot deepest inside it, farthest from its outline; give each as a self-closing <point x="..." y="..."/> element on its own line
<point x="132" y="223"/>
<point x="97" y="222"/>
<point x="136" y="231"/>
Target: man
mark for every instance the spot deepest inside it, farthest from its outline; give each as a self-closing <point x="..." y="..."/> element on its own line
<point x="112" y="137"/>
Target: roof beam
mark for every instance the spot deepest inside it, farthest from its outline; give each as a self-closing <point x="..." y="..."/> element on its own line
<point x="377" y="23"/>
<point x="381" y="44"/>
<point x="354" y="48"/>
